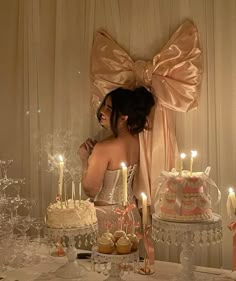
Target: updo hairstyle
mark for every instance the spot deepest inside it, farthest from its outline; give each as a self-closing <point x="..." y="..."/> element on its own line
<point x="136" y="104"/>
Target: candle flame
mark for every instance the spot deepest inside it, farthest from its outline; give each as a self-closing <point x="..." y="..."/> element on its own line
<point x="231" y="190"/>
<point x="60" y="158"/>
<point x="123" y="165"/>
<point x="193" y="153"/>
<point x="143" y="195"/>
<point x="182" y="155"/>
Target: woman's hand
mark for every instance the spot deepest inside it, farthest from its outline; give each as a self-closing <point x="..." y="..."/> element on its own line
<point x="86" y="149"/>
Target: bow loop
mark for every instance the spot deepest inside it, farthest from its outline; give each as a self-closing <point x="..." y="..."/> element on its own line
<point x="111" y="67"/>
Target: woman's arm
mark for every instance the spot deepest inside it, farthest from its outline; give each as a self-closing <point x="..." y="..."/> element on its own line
<point x="94" y="166"/>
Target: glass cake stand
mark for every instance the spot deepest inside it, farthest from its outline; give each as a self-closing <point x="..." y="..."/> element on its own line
<point x="114" y="265"/>
<point x="72" y="269"/>
<point x="187" y="234"/>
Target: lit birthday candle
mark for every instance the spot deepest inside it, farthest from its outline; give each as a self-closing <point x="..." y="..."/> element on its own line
<point x="193" y="155"/>
<point x="144" y="208"/>
<point x="182" y="157"/>
<point x="80" y="190"/>
<point x="124" y="182"/>
<point x="231" y="201"/>
<point x="231" y="204"/>
<point x="73" y="190"/>
<point x="61" y="172"/>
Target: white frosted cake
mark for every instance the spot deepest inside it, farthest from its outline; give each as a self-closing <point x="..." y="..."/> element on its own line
<point x="185" y="197"/>
<point x="71" y="214"/>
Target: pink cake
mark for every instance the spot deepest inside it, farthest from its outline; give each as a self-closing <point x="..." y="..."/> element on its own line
<point x="185" y="197"/>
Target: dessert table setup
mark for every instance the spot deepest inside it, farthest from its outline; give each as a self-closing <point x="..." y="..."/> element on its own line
<point x="52" y="248"/>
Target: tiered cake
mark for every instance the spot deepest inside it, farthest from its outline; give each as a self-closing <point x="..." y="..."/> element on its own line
<point x="71" y="214"/>
<point x="185" y="197"/>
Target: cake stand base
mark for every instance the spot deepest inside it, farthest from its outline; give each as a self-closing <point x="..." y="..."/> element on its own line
<point x="118" y="264"/>
<point x="187" y="234"/>
<point x="185" y="276"/>
<point x="115" y="273"/>
<point x="70" y="270"/>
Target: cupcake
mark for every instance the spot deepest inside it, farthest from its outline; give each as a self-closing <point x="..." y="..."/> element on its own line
<point x="109" y="235"/>
<point x="105" y="245"/>
<point x="118" y="234"/>
<point x="123" y="245"/>
<point x="134" y="240"/>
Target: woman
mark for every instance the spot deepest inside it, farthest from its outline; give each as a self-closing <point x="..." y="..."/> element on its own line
<point x="125" y="113"/>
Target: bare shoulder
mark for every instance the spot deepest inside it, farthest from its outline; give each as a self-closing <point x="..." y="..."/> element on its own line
<point x="98" y="151"/>
<point x="105" y="144"/>
<point x="107" y="149"/>
<point x="101" y="151"/>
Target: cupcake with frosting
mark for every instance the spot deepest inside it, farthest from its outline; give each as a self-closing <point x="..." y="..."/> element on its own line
<point x="134" y="240"/>
<point x="118" y="234"/>
<point x="123" y="245"/>
<point x="109" y="235"/>
<point x="105" y="245"/>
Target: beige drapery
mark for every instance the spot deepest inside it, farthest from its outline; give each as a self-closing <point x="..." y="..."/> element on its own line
<point x="44" y="82"/>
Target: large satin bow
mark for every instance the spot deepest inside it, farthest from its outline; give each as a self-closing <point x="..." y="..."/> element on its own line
<point x="173" y="76"/>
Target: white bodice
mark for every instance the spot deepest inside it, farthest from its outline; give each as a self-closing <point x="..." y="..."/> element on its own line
<point x="112" y="191"/>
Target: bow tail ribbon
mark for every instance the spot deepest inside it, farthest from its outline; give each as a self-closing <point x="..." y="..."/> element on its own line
<point x="232" y="227"/>
<point x="148" y="244"/>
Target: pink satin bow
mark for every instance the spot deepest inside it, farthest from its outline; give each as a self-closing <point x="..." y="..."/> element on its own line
<point x="148" y="244"/>
<point x="232" y="227"/>
<point x="124" y="219"/>
<point x="126" y="210"/>
<point x="173" y="76"/>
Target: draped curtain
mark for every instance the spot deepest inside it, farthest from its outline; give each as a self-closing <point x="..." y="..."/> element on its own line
<point x="44" y="85"/>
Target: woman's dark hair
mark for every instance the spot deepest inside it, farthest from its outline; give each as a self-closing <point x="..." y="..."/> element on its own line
<point x="136" y="104"/>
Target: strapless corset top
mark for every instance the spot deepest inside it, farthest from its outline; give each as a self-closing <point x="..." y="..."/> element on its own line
<point x="112" y="190"/>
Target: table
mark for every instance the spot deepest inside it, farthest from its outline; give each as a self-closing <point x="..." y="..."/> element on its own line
<point x="164" y="271"/>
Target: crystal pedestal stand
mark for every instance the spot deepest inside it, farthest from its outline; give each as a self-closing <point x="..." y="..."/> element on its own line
<point x="187" y="234"/>
<point x="72" y="269"/>
<point x="118" y="263"/>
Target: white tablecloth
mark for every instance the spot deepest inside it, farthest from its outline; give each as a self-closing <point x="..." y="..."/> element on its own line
<point x="164" y="271"/>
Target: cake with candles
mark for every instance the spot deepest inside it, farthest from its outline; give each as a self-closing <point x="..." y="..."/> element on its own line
<point x="71" y="214"/>
<point x="184" y="196"/>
